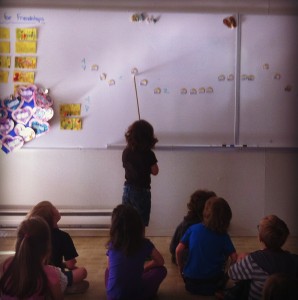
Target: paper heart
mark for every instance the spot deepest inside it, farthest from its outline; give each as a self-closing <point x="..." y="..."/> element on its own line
<point x="22" y="115"/>
<point x="26" y="92"/>
<point x="43" y="114"/>
<point x="39" y="127"/>
<point x="12" y="143"/>
<point x="27" y="133"/>
<point x="6" y="125"/>
<point x="41" y="99"/>
<point x="13" y="104"/>
<point x="3" y="113"/>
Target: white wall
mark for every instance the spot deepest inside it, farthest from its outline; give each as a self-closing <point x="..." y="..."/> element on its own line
<point x="254" y="182"/>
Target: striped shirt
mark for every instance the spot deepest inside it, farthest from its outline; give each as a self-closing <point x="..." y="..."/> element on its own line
<point x="247" y="269"/>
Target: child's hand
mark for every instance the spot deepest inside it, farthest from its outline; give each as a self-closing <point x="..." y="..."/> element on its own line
<point x="240" y="256"/>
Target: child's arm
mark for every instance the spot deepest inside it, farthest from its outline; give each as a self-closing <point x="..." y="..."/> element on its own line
<point x="233" y="257"/>
<point x="156" y="260"/>
<point x="154" y="169"/>
<point x="70" y="264"/>
<point x="179" y="256"/>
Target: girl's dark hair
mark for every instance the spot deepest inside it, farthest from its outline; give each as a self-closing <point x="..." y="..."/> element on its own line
<point x="196" y="204"/>
<point x="217" y="214"/>
<point x="25" y="274"/>
<point x="140" y="136"/>
<point x="127" y="230"/>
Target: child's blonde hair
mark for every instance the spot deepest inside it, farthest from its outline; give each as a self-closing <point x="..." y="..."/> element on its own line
<point x="45" y="210"/>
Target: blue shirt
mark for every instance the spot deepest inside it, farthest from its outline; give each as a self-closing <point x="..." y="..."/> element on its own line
<point x="208" y="252"/>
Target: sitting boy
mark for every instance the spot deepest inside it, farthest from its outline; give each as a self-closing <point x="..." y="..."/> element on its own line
<point x="257" y="266"/>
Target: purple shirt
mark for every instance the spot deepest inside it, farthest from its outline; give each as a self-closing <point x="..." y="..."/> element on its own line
<point x="125" y="272"/>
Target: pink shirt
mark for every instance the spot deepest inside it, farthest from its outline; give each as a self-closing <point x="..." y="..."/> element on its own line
<point x="53" y="275"/>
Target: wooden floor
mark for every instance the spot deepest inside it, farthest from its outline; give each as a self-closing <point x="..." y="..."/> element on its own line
<point x="92" y="255"/>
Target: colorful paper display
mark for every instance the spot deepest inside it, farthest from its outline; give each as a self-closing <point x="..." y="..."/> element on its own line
<point x="25" y="62"/>
<point x="26" y="34"/>
<point x="25" y="77"/>
<point x="24" y="117"/>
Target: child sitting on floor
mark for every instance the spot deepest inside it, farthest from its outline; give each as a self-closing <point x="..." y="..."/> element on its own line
<point x="194" y="215"/>
<point x="27" y="275"/>
<point x="130" y="275"/>
<point x="209" y="246"/>
<point x="254" y="268"/>
<point x="63" y="250"/>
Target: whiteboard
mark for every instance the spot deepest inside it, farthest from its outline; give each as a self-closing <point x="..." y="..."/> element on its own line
<point x="269" y="102"/>
<point x="180" y="57"/>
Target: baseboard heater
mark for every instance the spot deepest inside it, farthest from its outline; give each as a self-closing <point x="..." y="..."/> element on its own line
<point x="70" y="218"/>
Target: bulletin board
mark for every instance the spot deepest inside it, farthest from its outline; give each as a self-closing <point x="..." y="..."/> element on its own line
<point x="176" y="70"/>
<point x="179" y="66"/>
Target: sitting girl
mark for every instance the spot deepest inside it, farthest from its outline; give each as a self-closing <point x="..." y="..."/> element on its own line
<point x="26" y="275"/>
<point x="130" y="275"/>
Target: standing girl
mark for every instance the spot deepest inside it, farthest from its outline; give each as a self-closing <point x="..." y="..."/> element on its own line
<point x="130" y="275"/>
<point x="139" y="162"/>
<point x="26" y="275"/>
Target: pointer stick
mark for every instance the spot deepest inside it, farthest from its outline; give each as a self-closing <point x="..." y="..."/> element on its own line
<point x="134" y="79"/>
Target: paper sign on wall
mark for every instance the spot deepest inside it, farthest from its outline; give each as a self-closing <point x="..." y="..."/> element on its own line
<point x="67" y="121"/>
<point x="26" y="34"/>
<point x="4" y="76"/>
<point x="5" y="62"/>
<point x="26" y="47"/>
<point x="4" y="33"/>
<point x="25" y="62"/>
<point x="5" y="47"/>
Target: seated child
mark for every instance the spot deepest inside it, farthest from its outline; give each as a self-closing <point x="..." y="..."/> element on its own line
<point x="280" y="286"/>
<point x="63" y="250"/>
<point x="27" y="275"/>
<point x="194" y="215"/>
<point x="258" y="265"/>
<point x="209" y="247"/>
<point x="130" y="275"/>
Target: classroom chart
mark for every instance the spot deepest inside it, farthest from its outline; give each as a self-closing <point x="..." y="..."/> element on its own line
<point x="176" y="70"/>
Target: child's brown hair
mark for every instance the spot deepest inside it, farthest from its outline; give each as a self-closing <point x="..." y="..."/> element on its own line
<point x="140" y="136"/>
<point x="273" y="232"/>
<point x="196" y="204"/>
<point x="217" y="214"/>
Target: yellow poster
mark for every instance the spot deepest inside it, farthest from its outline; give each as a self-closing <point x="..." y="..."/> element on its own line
<point x="25" y="62"/>
<point x="4" y="47"/>
<point x="23" y="76"/>
<point x="71" y="123"/>
<point x="5" y="62"/>
<point x="26" y="47"/>
<point x="70" y="110"/>
<point x="4" y="33"/>
<point x="4" y="76"/>
<point x="26" y="34"/>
